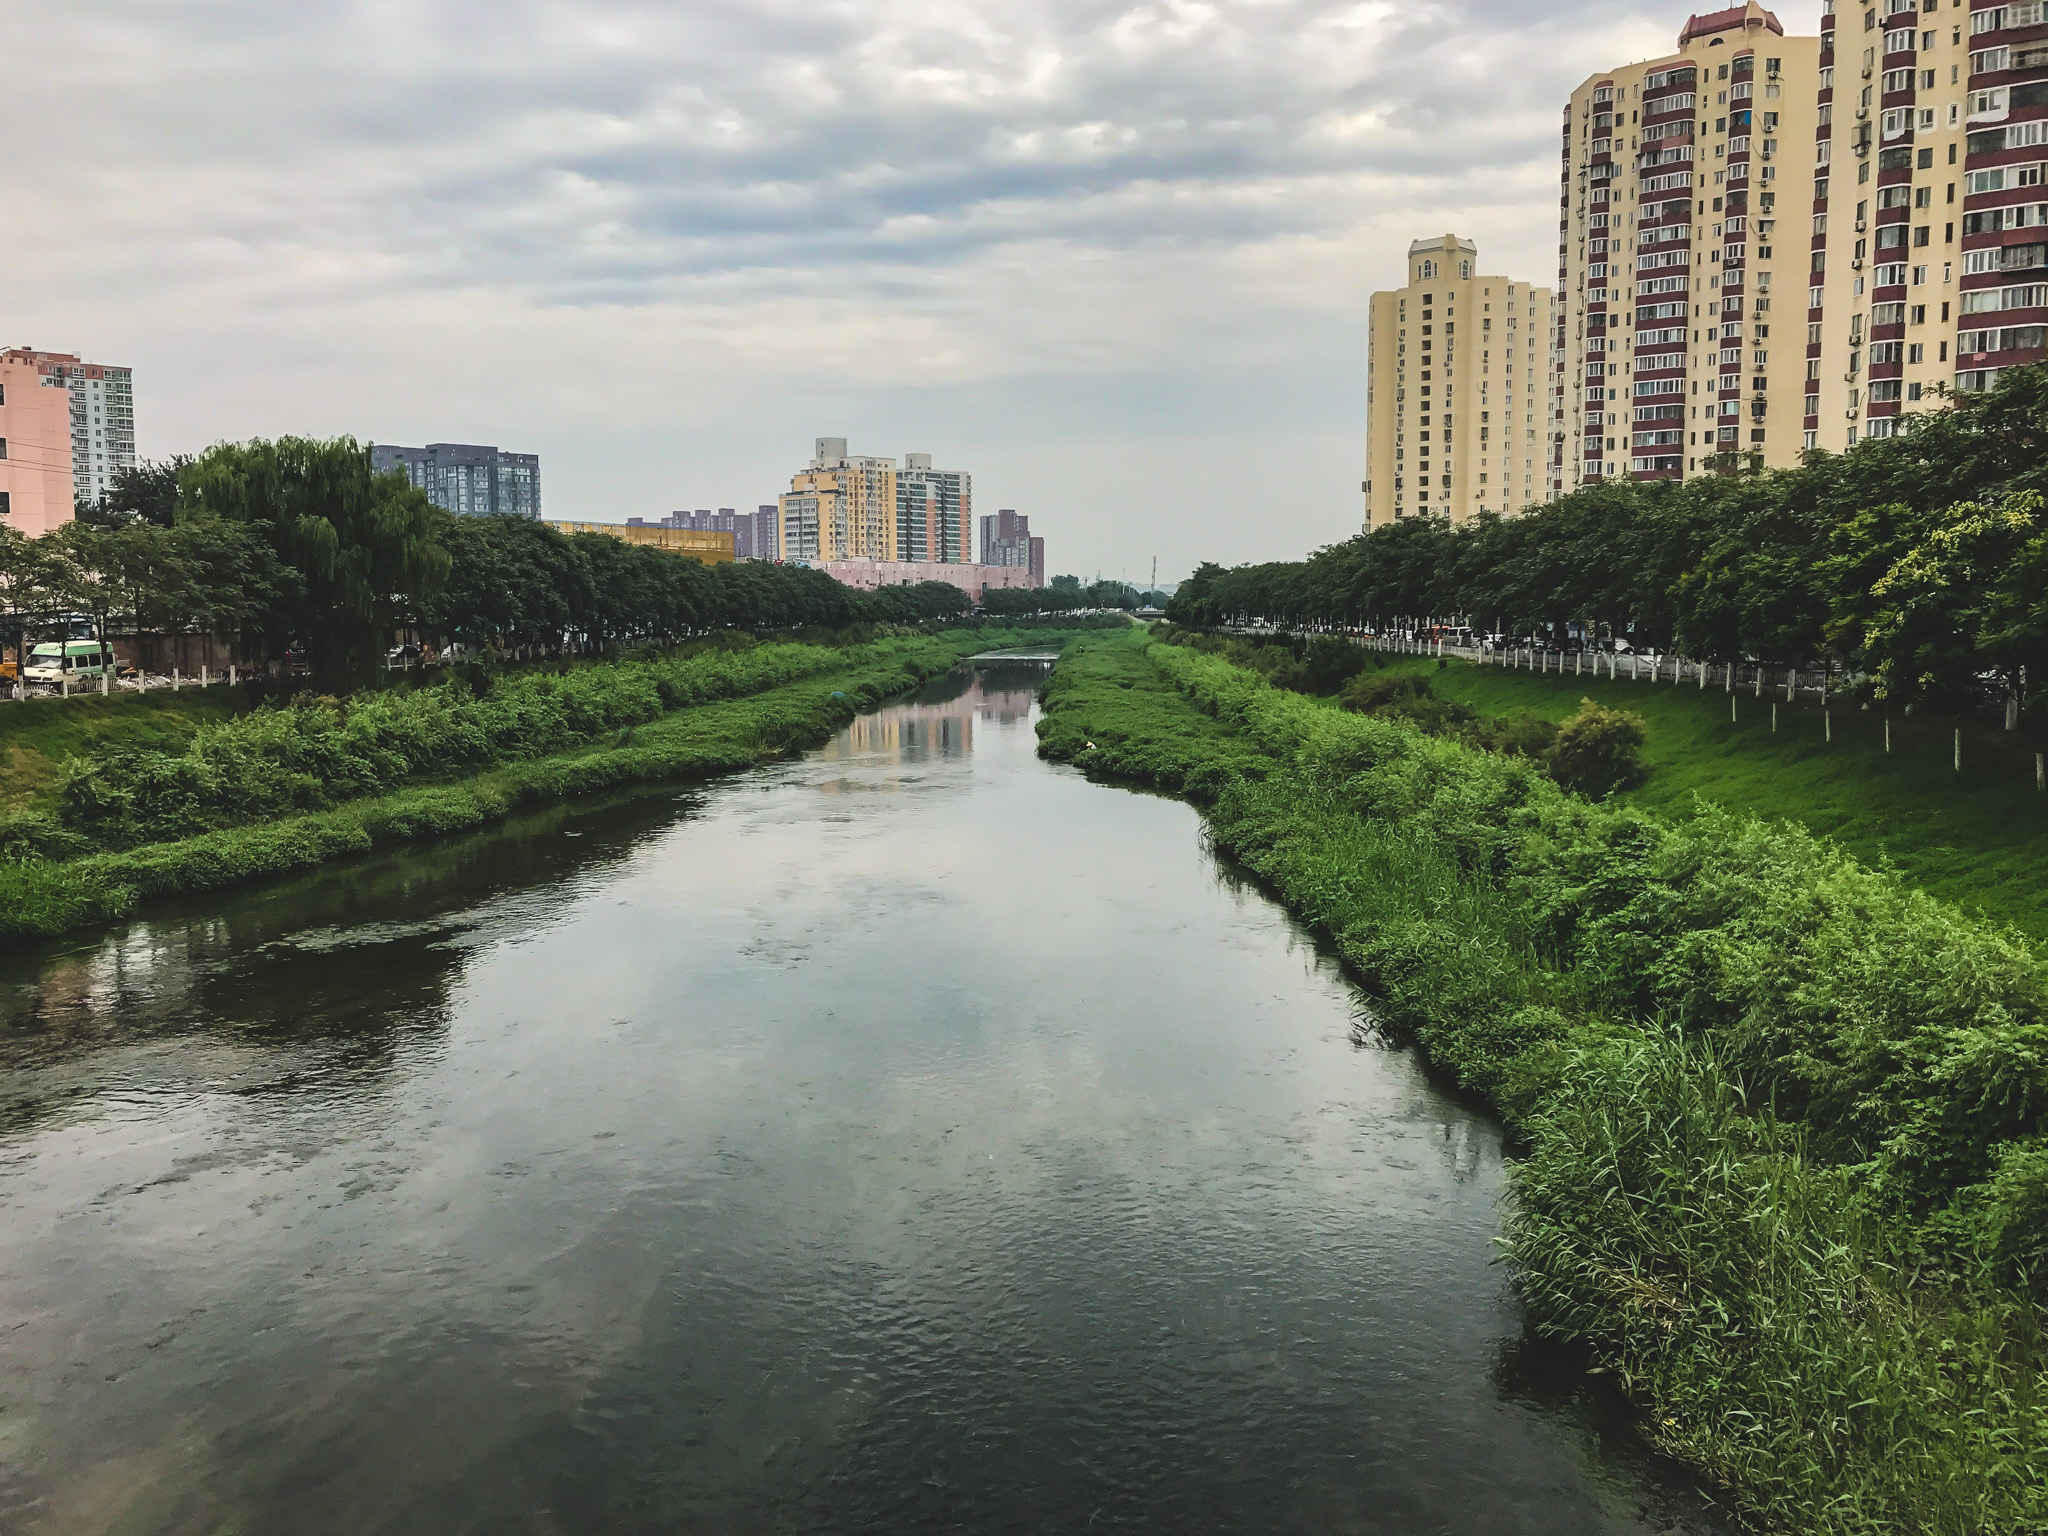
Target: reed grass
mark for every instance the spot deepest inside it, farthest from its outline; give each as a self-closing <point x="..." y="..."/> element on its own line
<point x="1781" y="1115"/>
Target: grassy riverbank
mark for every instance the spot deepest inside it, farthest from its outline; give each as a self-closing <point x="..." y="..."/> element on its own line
<point x="1978" y="838"/>
<point x="38" y="736"/>
<point x="601" y="728"/>
<point x="1786" y="1174"/>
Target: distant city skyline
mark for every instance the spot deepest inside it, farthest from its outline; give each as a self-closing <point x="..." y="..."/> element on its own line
<point x="1118" y="263"/>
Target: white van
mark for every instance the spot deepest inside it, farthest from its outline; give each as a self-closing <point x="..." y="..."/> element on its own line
<point x="80" y="660"/>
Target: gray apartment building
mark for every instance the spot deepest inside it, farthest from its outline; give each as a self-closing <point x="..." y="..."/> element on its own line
<point x="1006" y="541"/>
<point x="468" y="479"/>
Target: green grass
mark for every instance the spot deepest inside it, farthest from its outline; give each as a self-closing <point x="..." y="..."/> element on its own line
<point x="1978" y="838"/>
<point x="40" y="897"/>
<point x="1784" y="1169"/>
<point x="38" y="735"/>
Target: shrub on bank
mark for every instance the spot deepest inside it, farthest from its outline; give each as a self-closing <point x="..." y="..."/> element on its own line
<point x="1598" y="750"/>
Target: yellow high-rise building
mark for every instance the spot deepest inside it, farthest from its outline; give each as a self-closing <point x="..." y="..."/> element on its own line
<point x="1459" y="403"/>
<point x="843" y="507"/>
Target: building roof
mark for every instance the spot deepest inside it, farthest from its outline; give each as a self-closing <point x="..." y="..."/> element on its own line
<point x="1735" y="18"/>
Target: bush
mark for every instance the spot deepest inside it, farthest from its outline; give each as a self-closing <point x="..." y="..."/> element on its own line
<point x="1523" y="734"/>
<point x="1331" y="661"/>
<point x="1598" y="750"/>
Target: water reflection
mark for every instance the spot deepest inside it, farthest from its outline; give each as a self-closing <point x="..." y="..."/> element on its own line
<point x="939" y="720"/>
<point x="763" y="1160"/>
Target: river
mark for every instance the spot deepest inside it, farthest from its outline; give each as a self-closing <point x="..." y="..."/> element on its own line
<point x="907" y="1136"/>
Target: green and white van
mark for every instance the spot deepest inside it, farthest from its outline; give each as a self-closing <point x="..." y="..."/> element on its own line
<point x="80" y="660"/>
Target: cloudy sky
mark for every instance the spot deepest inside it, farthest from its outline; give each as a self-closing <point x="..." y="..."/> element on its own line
<point x="1113" y="256"/>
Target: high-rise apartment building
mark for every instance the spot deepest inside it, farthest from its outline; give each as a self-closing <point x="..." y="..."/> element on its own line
<point x="843" y="507"/>
<point x="754" y="534"/>
<point x="101" y="400"/>
<point x="1672" y="271"/>
<point x="468" y="479"/>
<point x="1887" y="208"/>
<point x="37" y="488"/>
<point x="1915" y="263"/>
<point x="1007" y="542"/>
<point x="1459" y="399"/>
<point x="934" y="511"/>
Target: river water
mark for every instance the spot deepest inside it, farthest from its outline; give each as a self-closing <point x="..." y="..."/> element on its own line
<point x="910" y="1136"/>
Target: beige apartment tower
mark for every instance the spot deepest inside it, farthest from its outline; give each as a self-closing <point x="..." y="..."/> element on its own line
<point x="1458" y="400"/>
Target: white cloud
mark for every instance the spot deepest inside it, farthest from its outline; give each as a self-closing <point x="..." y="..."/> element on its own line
<point x="1114" y="257"/>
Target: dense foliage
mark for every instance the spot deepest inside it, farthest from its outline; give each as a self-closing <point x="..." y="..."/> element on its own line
<point x="293" y="547"/>
<point x="317" y="751"/>
<point x="1921" y="560"/>
<point x="1786" y="1119"/>
<point x="519" y="583"/>
<point x="1066" y="594"/>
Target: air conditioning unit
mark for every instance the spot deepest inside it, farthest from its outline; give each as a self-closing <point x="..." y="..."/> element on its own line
<point x="1863" y="114"/>
<point x="1861" y="226"/>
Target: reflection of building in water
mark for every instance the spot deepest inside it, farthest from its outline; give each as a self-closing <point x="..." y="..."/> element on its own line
<point x="912" y="732"/>
<point x="938" y="720"/>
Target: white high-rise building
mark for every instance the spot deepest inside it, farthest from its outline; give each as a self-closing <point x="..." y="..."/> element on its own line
<point x="102" y="417"/>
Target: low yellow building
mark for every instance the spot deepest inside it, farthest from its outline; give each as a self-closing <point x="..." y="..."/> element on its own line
<point x="699" y="544"/>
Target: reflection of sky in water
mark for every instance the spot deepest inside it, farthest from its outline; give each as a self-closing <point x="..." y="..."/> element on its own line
<point x="753" y="1159"/>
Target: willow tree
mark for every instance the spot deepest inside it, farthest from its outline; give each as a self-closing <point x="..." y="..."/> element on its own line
<point x="363" y="545"/>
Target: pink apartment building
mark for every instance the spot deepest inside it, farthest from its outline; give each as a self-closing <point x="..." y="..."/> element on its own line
<point x="36" y="484"/>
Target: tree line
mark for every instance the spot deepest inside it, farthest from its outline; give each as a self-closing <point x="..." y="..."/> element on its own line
<point x="294" y="547"/>
<point x="1920" y="561"/>
<point x="1068" y="594"/>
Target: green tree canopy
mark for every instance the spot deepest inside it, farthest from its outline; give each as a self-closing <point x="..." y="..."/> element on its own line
<point x="365" y="547"/>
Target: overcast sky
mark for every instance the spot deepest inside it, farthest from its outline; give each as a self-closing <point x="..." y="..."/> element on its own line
<point x="1112" y="258"/>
